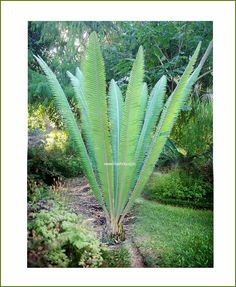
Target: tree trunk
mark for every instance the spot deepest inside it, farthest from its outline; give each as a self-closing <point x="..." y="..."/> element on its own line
<point x="115" y="230"/>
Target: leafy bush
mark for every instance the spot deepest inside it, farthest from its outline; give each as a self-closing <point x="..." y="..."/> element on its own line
<point x="36" y="117"/>
<point x="180" y="187"/>
<point x="50" y="154"/>
<point x="53" y="114"/>
<point x="49" y="162"/>
<point x="37" y="90"/>
<point x="194" y="129"/>
<point x="191" y="141"/>
<point x="53" y="164"/>
<point x="116" y="258"/>
<point x="41" y="115"/>
<point x="58" y="238"/>
<point x="56" y="140"/>
<point x="36" y="190"/>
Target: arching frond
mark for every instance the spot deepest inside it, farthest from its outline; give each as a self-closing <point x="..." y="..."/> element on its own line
<point x="130" y="127"/>
<point x="95" y="95"/>
<point x="154" y="107"/>
<point x="78" y="85"/>
<point x="72" y="127"/>
<point x="168" y="117"/>
<point x="115" y="108"/>
<point x="144" y="99"/>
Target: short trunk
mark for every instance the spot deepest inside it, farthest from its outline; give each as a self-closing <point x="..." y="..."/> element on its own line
<point x="115" y="230"/>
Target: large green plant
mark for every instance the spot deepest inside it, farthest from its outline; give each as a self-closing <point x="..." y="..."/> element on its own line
<point x="119" y="141"/>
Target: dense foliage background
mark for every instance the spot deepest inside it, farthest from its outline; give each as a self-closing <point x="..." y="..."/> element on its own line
<point x="184" y="174"/>
<point x="167" y="47"/>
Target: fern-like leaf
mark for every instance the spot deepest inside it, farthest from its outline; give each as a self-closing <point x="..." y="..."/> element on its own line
<point x="78" y="85"/>
<point x="72" y="127"/>
<point x="144" y="99"/>
<point x="131" y="122"/>
<point x="154" y="107"/>
<point x="115" y="108"/>
<point x="168" y="117"/>
<point x="95" y="95"/>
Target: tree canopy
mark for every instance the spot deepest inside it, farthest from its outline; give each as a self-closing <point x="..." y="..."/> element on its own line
<point x="167" y="46"/>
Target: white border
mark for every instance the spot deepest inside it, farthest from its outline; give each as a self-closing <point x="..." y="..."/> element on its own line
<point x="14" y="144"/>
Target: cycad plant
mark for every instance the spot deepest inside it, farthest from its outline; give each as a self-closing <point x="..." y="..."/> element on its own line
<point x="119" y="139"/>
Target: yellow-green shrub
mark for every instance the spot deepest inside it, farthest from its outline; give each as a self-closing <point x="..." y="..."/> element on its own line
<point x="180" y="187"/>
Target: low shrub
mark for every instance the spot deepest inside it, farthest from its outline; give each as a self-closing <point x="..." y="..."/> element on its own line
<point x="36" y="190"/>
<point x="179" y="187"/>
<point x="50" y="154"/>
<point x="49" y="165"/>
<point x="36" y="117"/>
<point x="58" y="238"/>
<point x="42" y="115"/>
<point x="116" y="258"/>
<point x="193" y="131"/>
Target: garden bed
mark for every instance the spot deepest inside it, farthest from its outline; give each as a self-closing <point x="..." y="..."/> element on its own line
<point x="156" y="235"/>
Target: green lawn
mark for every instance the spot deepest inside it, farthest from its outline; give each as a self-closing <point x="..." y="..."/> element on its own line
<point x="169" y="236"/>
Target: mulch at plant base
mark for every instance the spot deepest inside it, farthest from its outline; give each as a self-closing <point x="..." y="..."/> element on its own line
<point x="82" y="201"/>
